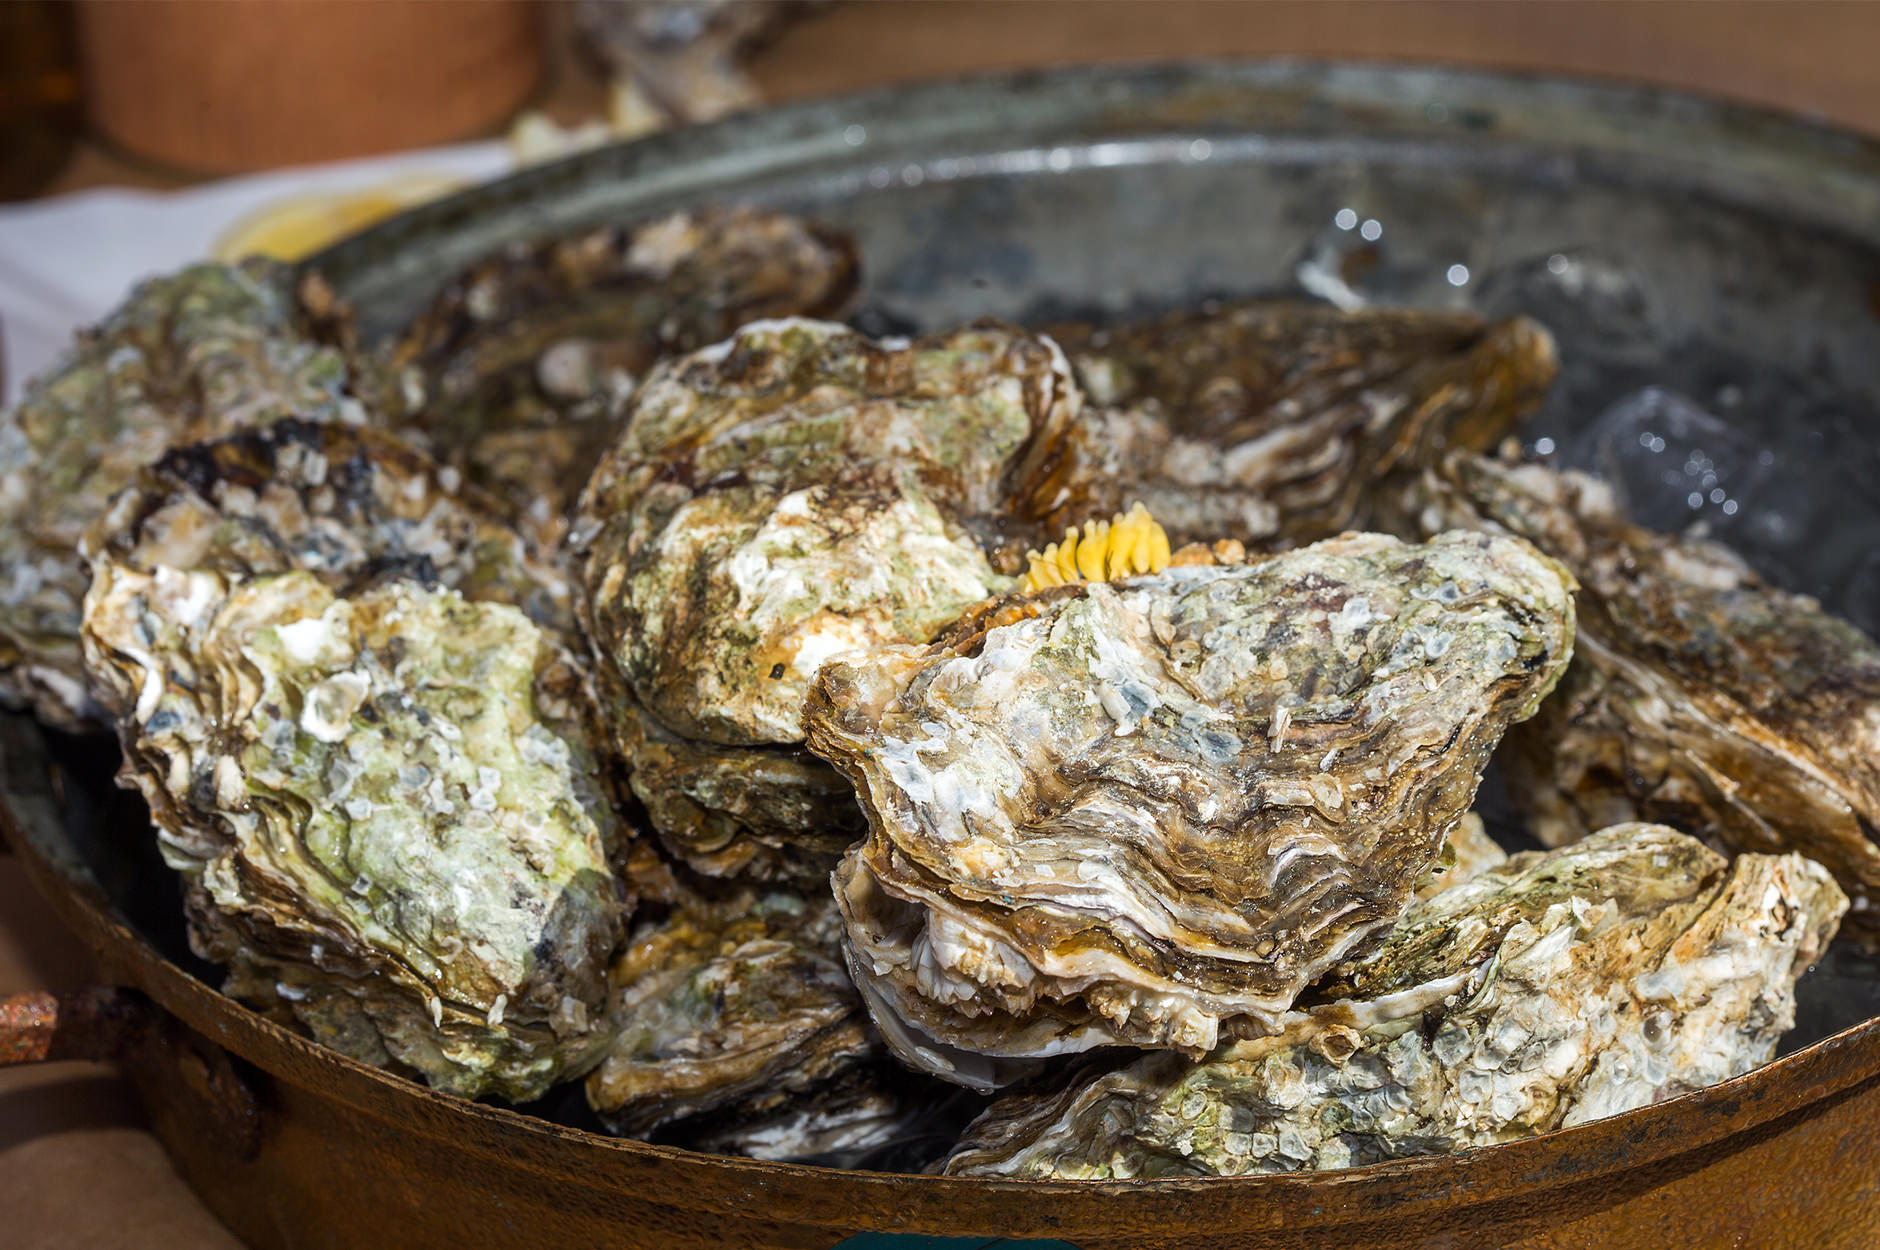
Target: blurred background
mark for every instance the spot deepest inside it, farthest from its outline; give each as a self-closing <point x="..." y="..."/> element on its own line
<point x="136" y="137"/>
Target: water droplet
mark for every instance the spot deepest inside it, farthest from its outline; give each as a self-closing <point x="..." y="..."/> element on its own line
<point x="879" y="176"/>
<point x="1695" y="499"/>
<point x="1558" y="264"/>
<point x="1345" y="219"/>
<point x="855" y="136"/>
<point x="1372" y="230"/>
<point x="1717" y="495"/>
<point x="1060" y="159"/>
<point x="1543" y="446"/>
<point x="1729" y="507"/>
<point x="1458" y="275"/>
<point x="1200" y="150"/>
<point x="913" y="175"/>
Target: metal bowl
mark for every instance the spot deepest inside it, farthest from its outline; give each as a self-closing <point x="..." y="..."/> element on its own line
<point x="1727" y="256"/>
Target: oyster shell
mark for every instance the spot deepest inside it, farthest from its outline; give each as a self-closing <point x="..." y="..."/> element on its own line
<point x="1700" y="696"/>
<point x="793" y="493"/>
<point x="376" y="810"/>
<point x="1151" y="812"/>
<point x="1268" y="421"/>
<point x="519" y="372"/>
<point x="1558" y="988"/>
<point x="350" y="505"/>
<point x="738" y="1003"/>
<point x="203" y="352"/>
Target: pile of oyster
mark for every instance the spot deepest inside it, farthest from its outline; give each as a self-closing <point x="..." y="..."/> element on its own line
<point x="1043" y="753"/>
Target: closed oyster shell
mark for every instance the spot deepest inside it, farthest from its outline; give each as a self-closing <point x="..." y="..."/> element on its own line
<point x="351" y="506"/>
<point x="1268" y="421"/>
<point x="519" y="373"/>
<point x="738" y="1005"/>
<point x="1700" y="695"/>
<point x="203" y="352"/>
<point x="1556" y="989"/>
<point x="375" y="811"/>
<point x="1151" y="812"/>
<point x="794" y="493"/>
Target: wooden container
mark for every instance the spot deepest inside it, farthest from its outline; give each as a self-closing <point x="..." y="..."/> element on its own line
<point x="248" y="84"/>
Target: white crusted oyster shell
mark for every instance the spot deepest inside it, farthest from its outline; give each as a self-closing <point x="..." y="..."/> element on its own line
<point x="206" y="351"/>
<point x="794" y="493"/>
<point x="379" y="814"/>
<point x="1151" y="812"/>
<point x="1701" y="696"/>
<point x="1556" y="989"/>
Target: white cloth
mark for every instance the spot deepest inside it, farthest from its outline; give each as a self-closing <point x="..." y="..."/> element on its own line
<point x="67" y="261"/>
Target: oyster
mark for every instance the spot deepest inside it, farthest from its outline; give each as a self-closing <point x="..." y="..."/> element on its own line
<point x="739" y="1033"/>
<point x="352" y="506"/>
<point x="1700" y="696"/>
<point x="203" y="352"/>
<point x="519" y="372"/>
<point x="1558" y="988"/>
<point x="796" y="492"/>
<point x="1151" y="812"/>
<point x="738" y="1003"/>
<point x="1267" y="421"/>
<point x="377" y="808"/>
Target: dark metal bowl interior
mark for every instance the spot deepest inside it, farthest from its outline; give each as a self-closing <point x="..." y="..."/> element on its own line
<point x="1712" y="275"/>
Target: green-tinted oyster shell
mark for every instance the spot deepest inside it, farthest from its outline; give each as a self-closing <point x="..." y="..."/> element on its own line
<point x="520" y="371"/>
<point x="1555" y="989"/>
<point x="794" y="493"/>
<point x="1701" y="696"/>
<point x="352" y="506"/>
<point x="371" y="806"/>
<point x="1150" y="812"/>
<point x="197" y="354"/>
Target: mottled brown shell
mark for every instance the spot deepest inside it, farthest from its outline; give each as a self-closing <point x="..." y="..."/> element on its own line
<point x="519" y="372"/>
<point x="1153" y="811"/>
<point x="1270" y="421"/>
<point x="1700" y="696"/>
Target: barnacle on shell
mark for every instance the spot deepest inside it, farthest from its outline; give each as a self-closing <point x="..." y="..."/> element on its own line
<point x="200" y="353"/>
<point x="1150" y="812"/>
<point x="1552" y="990"/>
<point x="1700" y="696"/>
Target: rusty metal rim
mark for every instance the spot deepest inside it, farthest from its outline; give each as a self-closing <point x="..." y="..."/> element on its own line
<point x="1604" y="1151"/>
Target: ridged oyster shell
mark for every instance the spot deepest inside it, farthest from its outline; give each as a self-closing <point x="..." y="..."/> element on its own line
<point x="382" y="809"/>
<point x="1559" y="988"/>
<point x="1267" y="421"/>
<point x="352" y="506"/>
<point x="1151" y="812"/>
<point x="740" y="1003"/>
<point x="1700" y="695"/>
<point x="209" y="350"/>
<point x="795" y="492"/>
<point x="519" y="372"/>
